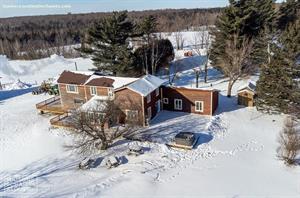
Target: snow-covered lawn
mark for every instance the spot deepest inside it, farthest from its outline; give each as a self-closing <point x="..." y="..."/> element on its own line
<point x="235" y="157"/>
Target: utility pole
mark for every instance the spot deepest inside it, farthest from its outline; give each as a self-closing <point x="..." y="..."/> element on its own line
<point x="76" y="66"/>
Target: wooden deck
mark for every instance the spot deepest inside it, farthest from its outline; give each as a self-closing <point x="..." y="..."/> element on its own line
<point x="51" y="105"/>
<point x="62" y="121"/>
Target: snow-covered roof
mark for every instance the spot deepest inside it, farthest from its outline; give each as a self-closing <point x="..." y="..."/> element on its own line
<point x="250" y="86"/>
<point x="118" y="81"/>
<point x="146" y="84"/>
<point x="95" y="104"/>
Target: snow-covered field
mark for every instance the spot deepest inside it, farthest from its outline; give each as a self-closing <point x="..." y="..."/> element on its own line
<point x="235" y="155"/>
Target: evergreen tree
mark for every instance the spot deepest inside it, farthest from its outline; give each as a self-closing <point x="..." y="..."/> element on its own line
<point x="275" y="85"/>
<point x="108" y="44"/>
<point x="288" y="13"/>
<point x="147" y="27"/>
<point x="248" y="20"/>
<point x="278" y="88"/>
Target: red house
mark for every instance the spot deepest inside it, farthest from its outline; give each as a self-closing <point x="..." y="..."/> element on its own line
<point x="139" y="99"/>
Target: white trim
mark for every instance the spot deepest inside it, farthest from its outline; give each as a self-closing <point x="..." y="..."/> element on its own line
<point x="91" y="90"/>
<point x="180" y="106"/>
<point x="158" y="106"/>
<point x="211" y="102"/>
<point x="202" y="106"/>
<point x="149" y="111"/>
<point x="157" y="91"/>
<point x="143" y="112"/>
<point x="149" y="98"/>
<point x="166" y="100"/>
<point x="133" y="111"/>
<point x="68" y="88"/>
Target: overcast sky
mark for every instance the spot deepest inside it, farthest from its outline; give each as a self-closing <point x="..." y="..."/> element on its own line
<point x="10" y="8"/>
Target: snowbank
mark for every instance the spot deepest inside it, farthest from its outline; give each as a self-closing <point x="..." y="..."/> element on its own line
<point x="38" y="70"/>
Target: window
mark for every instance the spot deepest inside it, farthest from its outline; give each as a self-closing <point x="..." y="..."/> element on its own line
<point x="100" y="117"/>
<point x="178" y="104"/>
<point x="93" y="91"/>
<point x="110" y="92"/>
<point x="132" y="115"/>
<point x="149" y="98"/>
<point x="157" y="92"/>
<point x="72" y="89"/>
<point x="91" y="116"/>
<point x="166" y="100"/>
<point x="199" y="106"/>
<point x="149" y="113"/>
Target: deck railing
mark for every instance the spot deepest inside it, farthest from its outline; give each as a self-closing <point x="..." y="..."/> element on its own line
<point x="48" y="101"/>
<point x="58" y="120"/>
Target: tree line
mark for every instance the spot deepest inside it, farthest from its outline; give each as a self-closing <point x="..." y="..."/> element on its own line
<point x="33" y="37"/>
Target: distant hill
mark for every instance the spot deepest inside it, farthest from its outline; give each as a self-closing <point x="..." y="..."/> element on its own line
<point x="29" y="36"/>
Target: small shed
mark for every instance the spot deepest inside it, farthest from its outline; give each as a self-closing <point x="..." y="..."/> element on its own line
<point x="246" y="94"/>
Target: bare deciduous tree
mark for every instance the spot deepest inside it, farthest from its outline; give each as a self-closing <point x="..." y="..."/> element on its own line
<point x="289" y="140"/>
<point x="173" y="75"/>
<point x="235" y="63"/>
<point x="179" y="39"/>
<point x="96" y="128"/>
<point x="202" y="43"/>
<point x="197" y="71"/>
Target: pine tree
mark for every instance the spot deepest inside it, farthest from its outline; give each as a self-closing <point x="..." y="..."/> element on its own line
<point x="278" y="88"/>
<point x="108" y="44"/>
<point x="248" y="19"/>
<point x="275" y="85"/>
<point x="147" y="27"/>
<point x="288" y="13"/>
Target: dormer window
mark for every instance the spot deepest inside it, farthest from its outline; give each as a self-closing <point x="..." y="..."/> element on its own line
<point x="72" y="89"/>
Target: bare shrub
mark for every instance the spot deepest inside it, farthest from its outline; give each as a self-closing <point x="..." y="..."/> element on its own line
<point x="96" y="128"/>
<point x="289" y="140"/>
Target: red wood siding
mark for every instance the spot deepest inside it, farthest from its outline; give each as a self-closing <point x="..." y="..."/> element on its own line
<point x="151" y="104"/>
<point x="215" y="101"/>
<point x="101" y="91"/>
<point x="188" y="97"/>
<point x="127" y="99"/>
<point x="68" y="99"/>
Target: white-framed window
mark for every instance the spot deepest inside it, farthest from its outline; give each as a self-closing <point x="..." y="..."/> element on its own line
<point x="149" y="98"/>
<point x="110" y="92"/>
<point x="166" y="100"/>
<point x="100" y="117"/>
<point x="72" y="89"/>
<point x="157" y="92"/>
<point x="90" y="116"/>
<point x="132" y="115"/>
<point x="199" y="106"/>
<point x="93" y="91"/>
<point x="177" y="104"/>
<point x="149" y="113"/>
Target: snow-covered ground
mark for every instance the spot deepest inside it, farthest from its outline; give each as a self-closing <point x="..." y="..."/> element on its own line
<point x="37" y="71"/>
<point x="235" y="155"/>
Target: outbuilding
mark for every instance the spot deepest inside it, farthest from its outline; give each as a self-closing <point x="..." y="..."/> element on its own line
<point x="246" y="94"/>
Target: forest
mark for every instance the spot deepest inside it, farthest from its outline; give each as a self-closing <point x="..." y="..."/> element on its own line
<point x="34" y="37"/>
